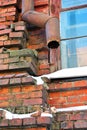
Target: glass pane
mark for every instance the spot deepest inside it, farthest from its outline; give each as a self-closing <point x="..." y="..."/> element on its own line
<point x="71" y="3"/>
<point x="73" y="23"/>
<point x="74" y="53"/>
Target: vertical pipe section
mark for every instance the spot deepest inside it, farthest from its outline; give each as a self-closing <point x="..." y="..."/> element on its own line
<point x="42" y="20"/>
<point x="27" y="5"/>
<point x="52" y="32"/>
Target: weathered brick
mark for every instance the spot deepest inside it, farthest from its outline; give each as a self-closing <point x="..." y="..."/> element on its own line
<point x="36" y="101"/>
<point x="44" y="120"/>
<point x="62" y="117"/>
<point x="80" y="124"/>
<point x="10" y="60"/>
<point x="79" y="116"/>
<point x="16" y="34"/>
<point x="3" y="26"/>
<point x="10" y="18"/>
<point x="3" y="38"/>
<point x="1" y="43"/>
<point x="2" y="56"/>
<point x="3" y="123"/>
<point x="15" y="81"/>
<point x="29" y="121"/>
<point x="6" y="31"/>
<point x="4" y="82"/>
<point x="4" y="67"/>
<point x="30" y="88"/>
<point x="28" y="80"/>
<point x="20" y="28"/>
<point x="4" y="104"/>
<point x="4" y="3"/>
<point x="67" y="125"/>
<point x="15" y="122"/>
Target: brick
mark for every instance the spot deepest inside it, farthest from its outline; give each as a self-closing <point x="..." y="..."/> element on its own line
<point x="3" y="26"/>
<point x="79" y="116"/>
<point x="2" y="56"/>
<point x="31" y="88"/>
<point x="67" y="125"/>
<point x="16" y="41"/>
<point x="20" y="28"/>
<point x="22" y="96"/>
<point x="73" y="99"/>
<point x="4" y="38"/>
<point x="44" y="71"/>
<point x="39" y="2"/>
<point x="29" y="121"/>
<point x="1" y="43"/>
<point x="44" y="66"/>
<point x="19" y="23"/>
<point x="4" y="104"/>
<point x="28" y="80"/>
<point x="11" y="9"/>
<point x="6" y="31"/>
<point x="80" y="124"/>
<point x="2" y="19"/>
<point x="4" y="67"/>
<point x="16" y="34"/>
<point x="4" y="90"/>
<point x="80" y="83"/>
<point x="4" y="3"/>
<point x="4" y="82"/>
<point x="15" y="122"/>
<point x="16" y="89"/>
<point x="15" y="81"/>
<point x="7" y="76"/>
<point x="44" y="120"/>
<point x="63" y="117"/>
<point x="3" y="123"/>
<point x="36" y="101"/>
<point x="10" y="60"/>
<point x="10" y="18"/>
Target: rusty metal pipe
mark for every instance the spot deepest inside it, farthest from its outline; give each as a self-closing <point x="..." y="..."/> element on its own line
<point x="42" y="20"/>
<point x="52" y="32"/>
<point x="27" y="5"/>
<point x="36" y="18"/>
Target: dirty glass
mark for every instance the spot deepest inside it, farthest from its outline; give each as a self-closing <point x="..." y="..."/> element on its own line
<point x="73" y="3"/>
<point x="73" y="23"/>
<point x="74" y="53"/>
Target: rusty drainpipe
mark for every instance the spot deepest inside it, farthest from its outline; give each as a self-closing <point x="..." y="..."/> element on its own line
<point x="50" y="23"/>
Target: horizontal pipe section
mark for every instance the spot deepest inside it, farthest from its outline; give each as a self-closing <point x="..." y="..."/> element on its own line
<point x="50" y="23"/>
<point x="36" y="18"/>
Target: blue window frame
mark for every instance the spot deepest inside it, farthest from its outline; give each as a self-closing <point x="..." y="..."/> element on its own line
<point x="73" y="23"/>
<point x="73" y="3"/>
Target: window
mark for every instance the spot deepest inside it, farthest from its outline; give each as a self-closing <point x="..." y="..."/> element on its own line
<point x="74" y="53"/>
<point x="73" y="34"/>
<point x="71" y="3"/>
<point x="73" y="23"/>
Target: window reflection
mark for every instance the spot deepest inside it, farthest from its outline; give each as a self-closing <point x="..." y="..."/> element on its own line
<point x="73" y="23"/>
<point x="71" y="3"/>
<point x="74" y="53"/>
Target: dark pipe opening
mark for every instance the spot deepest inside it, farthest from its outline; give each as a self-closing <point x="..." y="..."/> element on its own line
<point x="53" y="44"/>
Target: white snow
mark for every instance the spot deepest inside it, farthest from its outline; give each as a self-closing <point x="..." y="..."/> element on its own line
<point x="64" y="73"/>
<point x="9" y="115"/>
